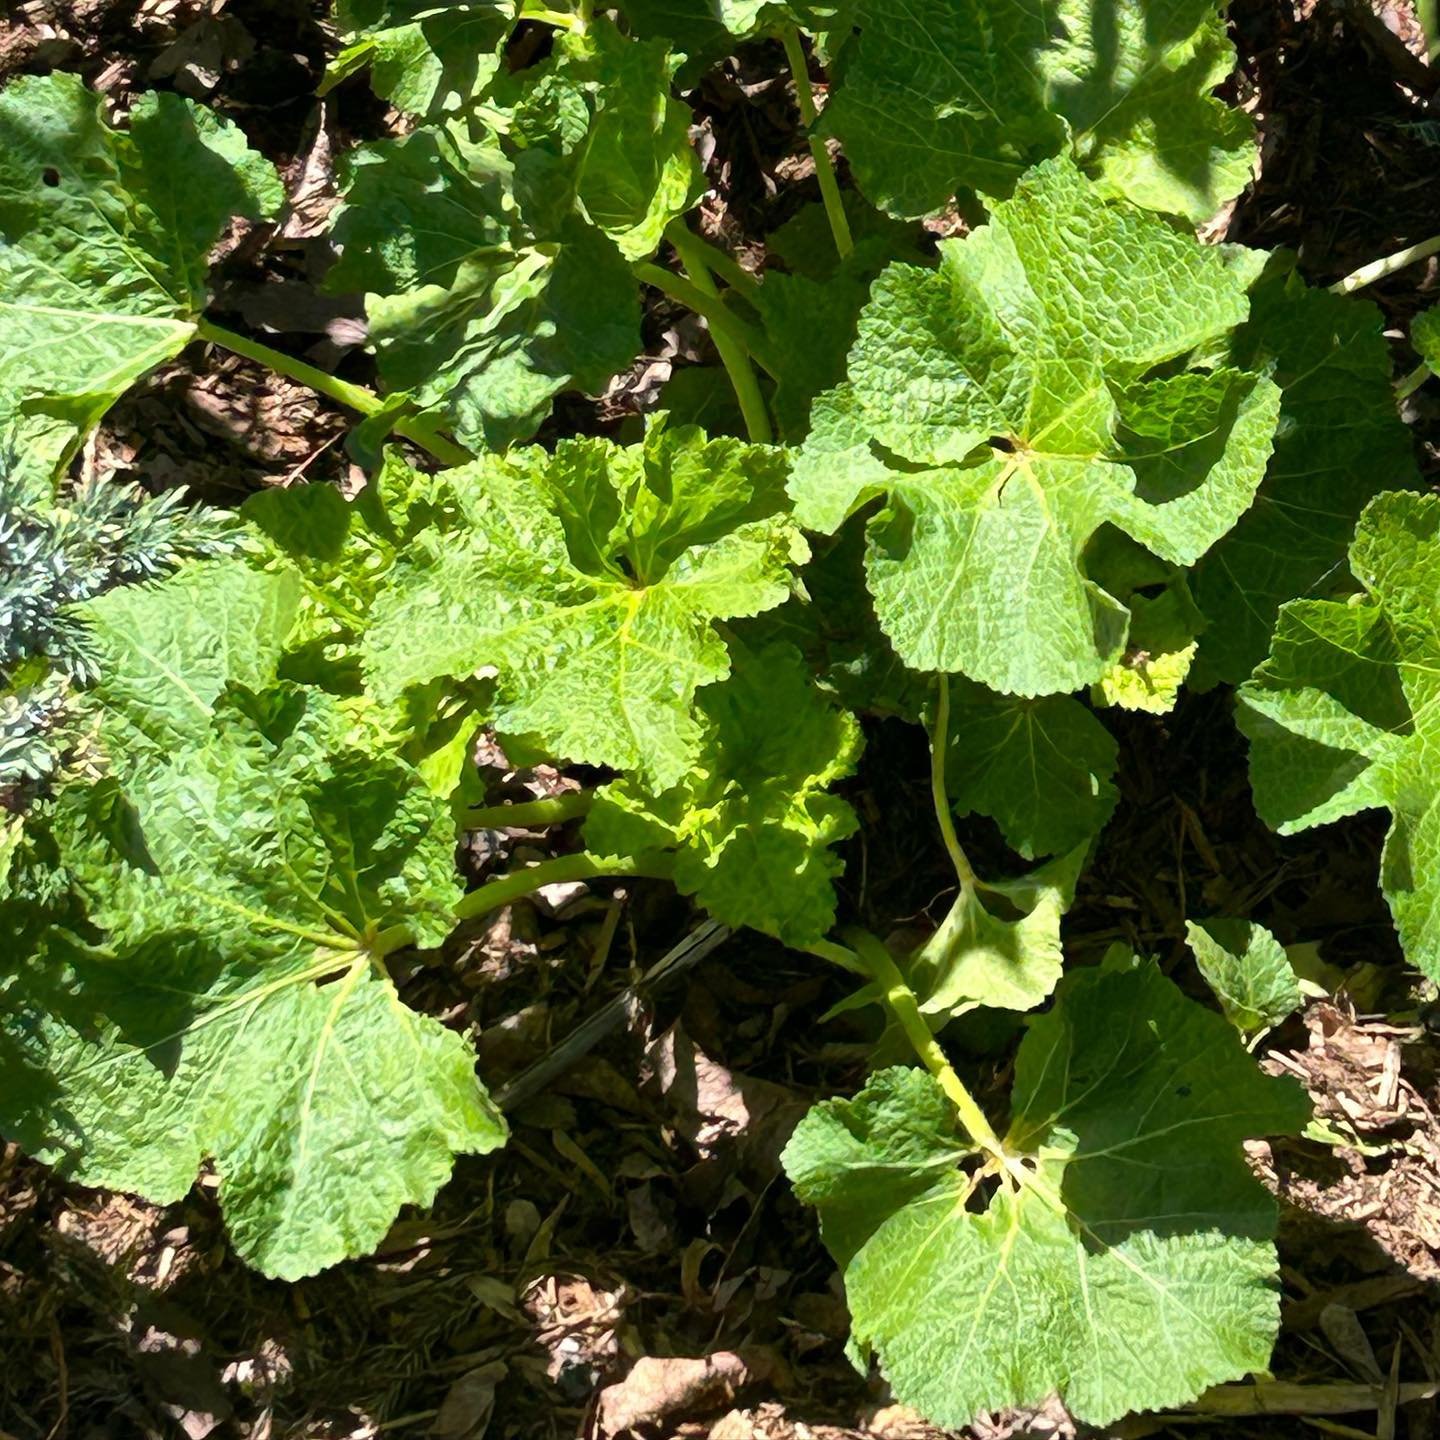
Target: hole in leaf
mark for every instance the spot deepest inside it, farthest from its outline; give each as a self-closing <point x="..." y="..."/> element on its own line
<point x="1003" y="443"/>
<point x="51" y="176"/>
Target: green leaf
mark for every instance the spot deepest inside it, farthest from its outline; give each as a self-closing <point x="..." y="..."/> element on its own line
<point x="1000" y="405"/>
<point x="496" y="263"/>
<point x="751" y="825"/>
<point x="103" y="266"/>
<point x="940" y="97"/>
<point x="1342" y="717"/>
<point x="421" y="56"/>
<point x="1246" y="967"/>
<point x="1041" y="769"/>
<point x="810" y="316"/>
<point x="1425" y="337"/>
<point x="249" y="869"/>
<point x="591" y="580"/>
<point x="1340" y="441"/>
<point x="706" y="30"/>
<point x="1000" y="944"/>
<point x="167" y="652"/>
<point x="1164" y="625"/>
<point x="1126" y="1259"/>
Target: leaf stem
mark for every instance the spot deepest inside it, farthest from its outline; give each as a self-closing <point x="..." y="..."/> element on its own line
<point x="824" y="168"/>
<point x="881" y="966"/>
<point x="720" y="318"/>
<point x="353" y="397"/>
<point x="1405" y="388"/>
<point x="552" y="810"/>
<point x="519" y="883"/>
<point x="939" y="744"/>
<point x="734" y="354"/>
<point x="1388" y="265"/>
<point x="729" y="269"/>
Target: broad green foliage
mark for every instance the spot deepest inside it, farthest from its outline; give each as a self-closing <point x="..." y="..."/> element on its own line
<point x="1004" y="406"/>
<point x="422" y="57"/>
<point x="238" y="855"/>
<point x="1425" y="336"/>
<point x="1246" y="967"/>
<point x="1126" y="1259"/>
<point x="938" y="96"/>
<point x="1041" y="769"/>
<point x="751" y="824"/>
<point x="1339" y="443"/>
<point x="494" y="253"/>
<point x="103" y="265"/>
<point x="591" y="581"/>
<point x="1342" y="717"/>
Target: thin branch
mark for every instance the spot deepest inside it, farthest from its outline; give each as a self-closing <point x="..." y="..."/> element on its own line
<point x="1379" y="269"/>
<point x="353" y="397"/>
<point x="531" y="814"/>
<point x="900" y="999"/>
<point x="939" y="744"/>
<point x="734" y="356"/>
<point x="824" y="168"/>
<point x="520" y="883"/>
<point x="713" y="310"/>
<point x="1405" y="388"/>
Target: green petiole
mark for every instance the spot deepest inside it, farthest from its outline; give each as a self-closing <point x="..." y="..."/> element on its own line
<point x="824" y="169"/>
<point x="520" y="883"/>
<point x="734" y="353"/>
<point x="353" y="397"/>
<point x="552" y="810"/>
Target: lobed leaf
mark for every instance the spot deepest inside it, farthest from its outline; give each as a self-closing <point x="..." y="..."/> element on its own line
<point x="935" y="97"/>
<point x="1005" y="406"/>
<point x="1342" y="715"/>
<point x="103" y="263"/>
<point x="1340" y="441"/>
<point x="1127" y="1258"/>
<point x="495" y="256"/>
<point x="751" y="826"/>
<point x="246" y="870"/>
<point x="591" y="581"/>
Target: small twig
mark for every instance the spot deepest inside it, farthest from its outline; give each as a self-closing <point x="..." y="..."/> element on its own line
<point x="1281" y="1397"/>
<point x="592" y="1030"/>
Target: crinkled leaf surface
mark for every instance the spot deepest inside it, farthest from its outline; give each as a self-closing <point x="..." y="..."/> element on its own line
<point x="1345" y="714"/>
<point x="810" y="315"/>
<point x="590" y="580"/>
<point x="243" y="876"/>
<point x="103" y="242"/>
<point x="934" y="96"/>
<point x="495" y="265"/>
<point x="1041" y="769"/>
<point x="1130" y="1269"/>
<point x="1002" y="404"/>
<point x="1246" y="967"/>
<point x="751" y="826"/>
<point x="1340" y="442"/>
